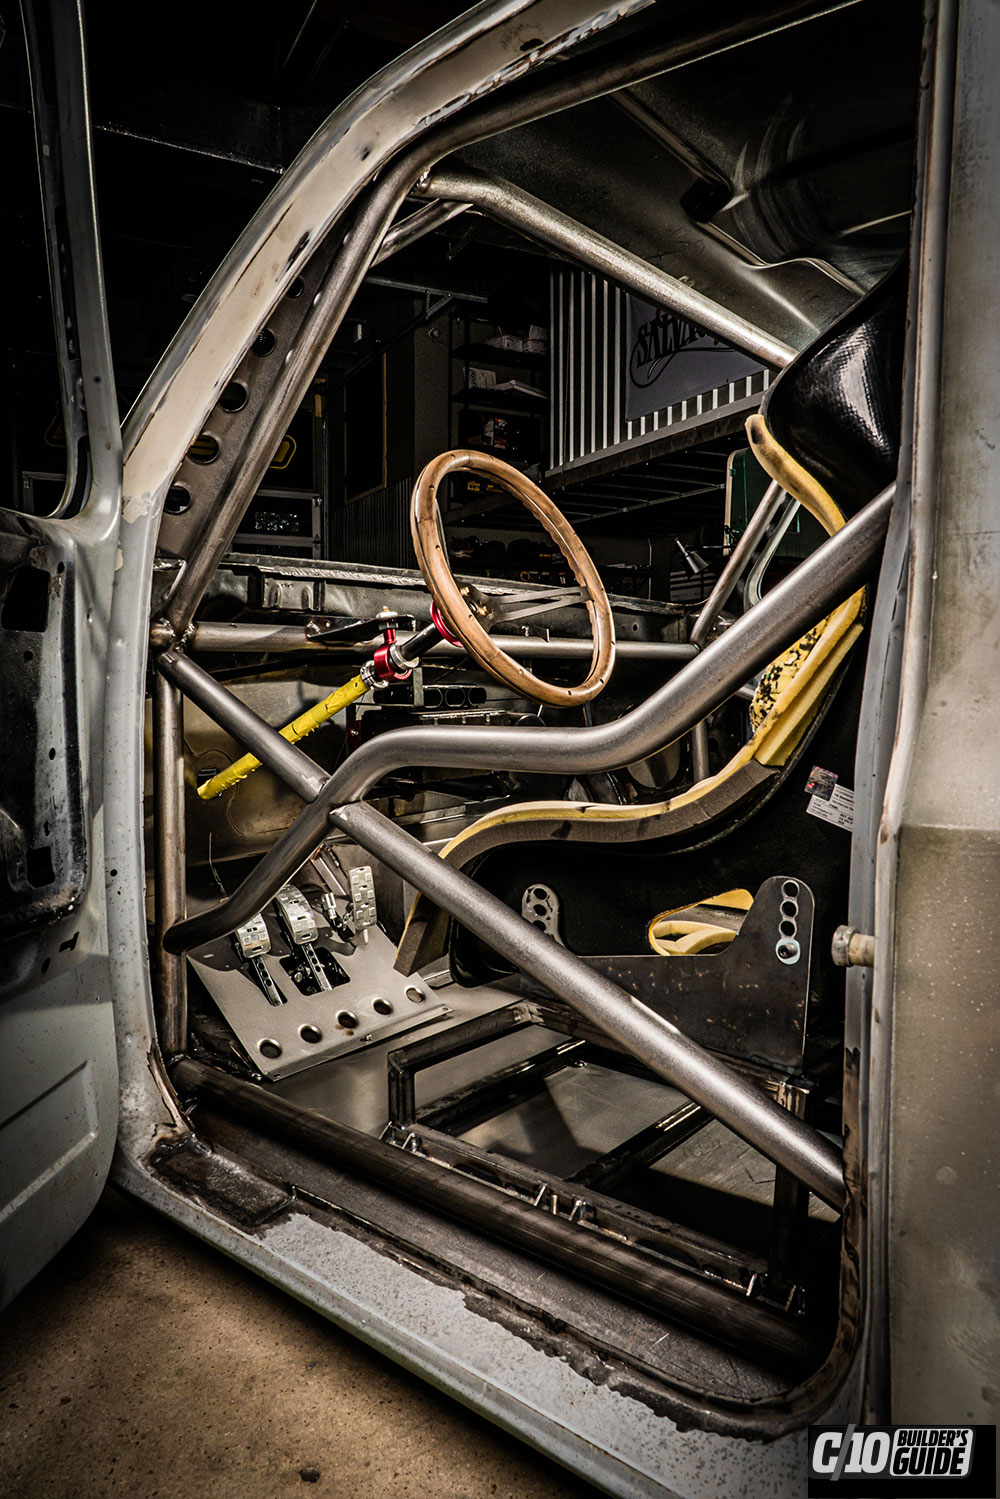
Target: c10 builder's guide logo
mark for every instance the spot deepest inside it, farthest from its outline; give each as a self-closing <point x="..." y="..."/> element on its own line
<point x="878" y="1462"/>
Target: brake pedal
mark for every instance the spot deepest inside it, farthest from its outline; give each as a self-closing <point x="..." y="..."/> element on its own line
<point x="299" y="920"/>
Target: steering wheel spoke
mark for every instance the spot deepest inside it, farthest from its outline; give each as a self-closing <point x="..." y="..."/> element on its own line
<point x="470" y="612"/>
<point x="499" y="608"/>
<point x="517" y="605"/>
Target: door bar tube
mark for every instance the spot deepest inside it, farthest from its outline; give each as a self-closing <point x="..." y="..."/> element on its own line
<point x="831" y="574"/>
<point x="260" y="637"/>
<point x="833" y="571"/>
<point x="701" y="1076"/>
<point x="732" y="1099"/>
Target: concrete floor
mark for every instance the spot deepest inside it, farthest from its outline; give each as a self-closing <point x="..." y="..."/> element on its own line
<point x="142" y="1363"/>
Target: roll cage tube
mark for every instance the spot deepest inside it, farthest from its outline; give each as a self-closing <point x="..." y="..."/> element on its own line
<point x="731" y="1098"/>
<point x="488" y="46"/>
<point x="171" y="405"/>
<point x="511" y="205"/>
<point x="309" y="178"/>
<point x="836" y="568"/>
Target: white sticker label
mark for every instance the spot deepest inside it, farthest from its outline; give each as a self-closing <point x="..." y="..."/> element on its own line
<point x="839" y="809"/>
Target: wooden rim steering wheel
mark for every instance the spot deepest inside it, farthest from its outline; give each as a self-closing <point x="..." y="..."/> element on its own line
<point x="469" y="612"/>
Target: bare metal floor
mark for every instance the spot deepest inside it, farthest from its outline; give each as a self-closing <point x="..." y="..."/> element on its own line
<point x="578" y="1114"/>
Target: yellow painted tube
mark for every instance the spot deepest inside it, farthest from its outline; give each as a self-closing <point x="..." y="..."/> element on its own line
<point x="297" y="729"/>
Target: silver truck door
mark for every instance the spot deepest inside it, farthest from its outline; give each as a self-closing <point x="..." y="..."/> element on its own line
<point x="58" y="1067"/>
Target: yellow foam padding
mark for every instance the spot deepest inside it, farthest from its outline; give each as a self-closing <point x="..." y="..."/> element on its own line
<point x="795" y="697"/>
<point x="805" y="660"/>
<point x="676" y="939"/>
<point x="733" y="900"/>
<point x="293" y="732"/>
<point x="777" y="676"/>
<point x="789" y="473"/>
<point x="664" y="926"/>
<point x="729" y="900"/>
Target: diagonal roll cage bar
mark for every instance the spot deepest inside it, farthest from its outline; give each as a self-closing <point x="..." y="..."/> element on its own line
<point x="835" y="569"/>
<point x="511" y="205"/>
<point x="702" y="1076"/>
<point x="729" y="1097"/>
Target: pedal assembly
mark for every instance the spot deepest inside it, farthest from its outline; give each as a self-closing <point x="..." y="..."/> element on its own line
<point x="311" y="977"/>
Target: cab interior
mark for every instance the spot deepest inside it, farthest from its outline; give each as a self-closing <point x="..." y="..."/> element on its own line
<point x="425" y="1076"/>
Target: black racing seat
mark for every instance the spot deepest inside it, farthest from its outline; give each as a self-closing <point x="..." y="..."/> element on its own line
<point x="837" y="407"/>
<point x="828" y="432"/>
